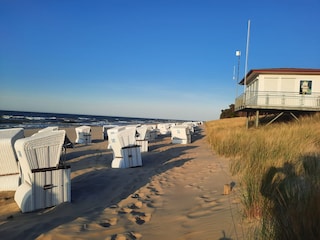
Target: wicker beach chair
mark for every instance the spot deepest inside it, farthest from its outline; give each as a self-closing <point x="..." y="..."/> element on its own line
<point x="9" y="167"/>
<point x="142" y="137"/>
<point x="46" y="181"/>
<point x="83" y="134"/>
<point x="122" y="141"/>
<point x="180" y="134"/>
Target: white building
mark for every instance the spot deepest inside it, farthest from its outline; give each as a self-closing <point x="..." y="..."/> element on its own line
<point x="280" y="90"/>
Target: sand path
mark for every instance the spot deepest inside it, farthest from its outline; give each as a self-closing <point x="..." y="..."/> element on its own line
<point x="177" y="194"/>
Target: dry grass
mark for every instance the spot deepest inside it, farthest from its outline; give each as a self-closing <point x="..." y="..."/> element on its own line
<point x="279" y="169"/>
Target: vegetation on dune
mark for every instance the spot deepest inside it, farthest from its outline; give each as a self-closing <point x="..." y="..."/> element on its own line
<point x="279" y="171"/>
<point x="230" y="113"/>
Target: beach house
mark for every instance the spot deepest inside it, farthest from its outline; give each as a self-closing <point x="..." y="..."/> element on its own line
<point x="279" y="91"/>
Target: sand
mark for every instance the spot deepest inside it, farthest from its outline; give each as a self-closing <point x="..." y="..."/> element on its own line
<point x="176" y="194"/>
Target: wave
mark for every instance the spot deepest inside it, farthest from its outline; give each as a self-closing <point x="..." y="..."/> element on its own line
<point x="11" y="119"/>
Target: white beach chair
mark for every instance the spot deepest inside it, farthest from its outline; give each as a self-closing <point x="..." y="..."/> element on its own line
<point x="180" y="134"/>
<point x="83" y="134"/>
<point x="126" y="153"/>
<point x="165" y="128"/>
<point x="9" y="166"/>
<point x="152" y="132"/>
<point x="105" y="131"/>
<point x="114" y="141"/>
<point x="143" y="133"/>
<point x="46" y="182"/>
<point x="191" y="126"/>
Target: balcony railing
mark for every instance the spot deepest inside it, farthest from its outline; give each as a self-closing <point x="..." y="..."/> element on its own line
<point x="278" y="100"/>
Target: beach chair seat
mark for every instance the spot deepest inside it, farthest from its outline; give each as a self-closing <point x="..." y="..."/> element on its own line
<point x="164" y="128"/>
<point x="46" y="180"/>
<point x="142" y="137"/>
<point x="126" y="152"/>
<point x="180" y="134"/>
<point x="191" y="126"/>
<point x="9" y="166"/>
<point x="152" y="133"/>
<point x="120" y="137"/>
<point x="83" y="135"/>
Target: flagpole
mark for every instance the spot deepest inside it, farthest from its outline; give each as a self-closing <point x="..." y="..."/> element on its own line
<point x="247" y="53"/>
<point x="238" y="54"/>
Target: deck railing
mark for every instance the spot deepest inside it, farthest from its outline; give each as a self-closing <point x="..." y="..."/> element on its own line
<point x="278" y="100"/>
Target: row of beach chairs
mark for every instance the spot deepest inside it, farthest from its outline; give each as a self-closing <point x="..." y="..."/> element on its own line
<point x="33" y="166"/>
<point x="128" y="142"/>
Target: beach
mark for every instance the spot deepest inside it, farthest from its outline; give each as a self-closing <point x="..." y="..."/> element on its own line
<point x="178" y="193"/>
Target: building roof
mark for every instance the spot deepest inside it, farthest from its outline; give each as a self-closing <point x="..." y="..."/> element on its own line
<point x="252" y="74"/>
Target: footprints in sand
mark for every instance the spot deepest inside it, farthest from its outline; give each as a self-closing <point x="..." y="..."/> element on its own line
<point x="122" y="221"/>
<point x="108" y="222"/>
<point x="125" y="236"/>
<point x="132" y="212"/>
<point x="135" y="211"/>
<point x="206" y="204"/>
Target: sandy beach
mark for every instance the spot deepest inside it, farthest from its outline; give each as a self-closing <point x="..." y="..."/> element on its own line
<point x="176" y="194"/>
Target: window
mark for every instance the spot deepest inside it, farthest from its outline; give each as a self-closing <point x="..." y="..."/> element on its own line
<point x="305" y="87"/>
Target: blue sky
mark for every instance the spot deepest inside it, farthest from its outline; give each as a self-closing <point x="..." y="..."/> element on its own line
<point x="146" y="58"/>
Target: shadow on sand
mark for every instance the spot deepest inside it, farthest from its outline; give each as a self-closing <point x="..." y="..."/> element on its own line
<point x="96" y="189"/>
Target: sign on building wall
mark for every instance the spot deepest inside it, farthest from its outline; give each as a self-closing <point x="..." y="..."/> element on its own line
<point x="305" y="87"/>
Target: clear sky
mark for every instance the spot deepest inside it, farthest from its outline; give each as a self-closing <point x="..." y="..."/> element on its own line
<point x="146" y="58"/>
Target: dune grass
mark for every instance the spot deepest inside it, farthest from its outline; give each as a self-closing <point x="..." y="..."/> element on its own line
<point x="279" y="171"/>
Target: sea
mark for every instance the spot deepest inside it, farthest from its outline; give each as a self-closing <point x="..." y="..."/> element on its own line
<point x="31" y="120"/>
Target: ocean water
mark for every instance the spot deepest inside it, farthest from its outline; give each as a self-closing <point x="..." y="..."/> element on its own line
<point x="14" y="119"/>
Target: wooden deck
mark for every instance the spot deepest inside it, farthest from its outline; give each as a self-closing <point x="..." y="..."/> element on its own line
<point x="286" y="101"/>
<point x="276" y="103"/>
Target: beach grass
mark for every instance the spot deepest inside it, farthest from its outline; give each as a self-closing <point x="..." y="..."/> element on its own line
<point x="279" y="172"/>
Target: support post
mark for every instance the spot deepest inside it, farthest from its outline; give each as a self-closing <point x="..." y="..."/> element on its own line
<point x="247" y="122"/>
<point x="257" y="118"/>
